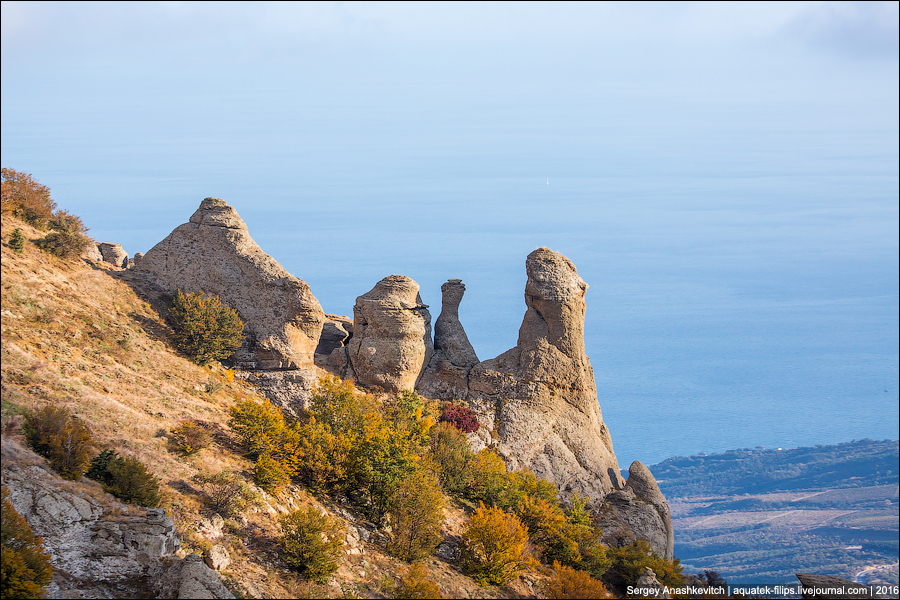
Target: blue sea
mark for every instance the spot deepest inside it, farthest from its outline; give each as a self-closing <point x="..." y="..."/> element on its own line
<point x="739" y="232"/>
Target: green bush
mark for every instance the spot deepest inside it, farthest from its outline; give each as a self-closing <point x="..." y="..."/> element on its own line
<point x="311" y="542"/>
<point x="68" y="236"/>
<point x="126" y="478"/>
<point x="17" y="240"/>
<point x="258" y="424"/>
<point x="450" y="451"/>
<point x="24" y="564"/>
<point x="629" y="561"/>
<point x="60" y="436"/>
<point x="204" y="329"/>
<point x="416" y="515"/>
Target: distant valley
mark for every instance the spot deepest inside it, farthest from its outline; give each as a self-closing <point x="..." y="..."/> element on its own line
<point x="762" y="515"/>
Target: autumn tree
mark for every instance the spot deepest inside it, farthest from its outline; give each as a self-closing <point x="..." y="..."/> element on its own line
<point x="68" y="236"/>
<point x="24" y="564"/>
<point x="258" y="424"/>
<point x="23" y="197"/>
<point x="571" y="583"/>
<point x="416" y="516"/>
<point x="62" y="437"/>
<point x="495" y="547"/>
<point x="415" y="584"/>
<point x="311" y="542"/>
<point x="205" y="329"/>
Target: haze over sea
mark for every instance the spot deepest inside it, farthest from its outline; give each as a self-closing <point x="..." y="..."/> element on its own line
<point x="724" y="177"/>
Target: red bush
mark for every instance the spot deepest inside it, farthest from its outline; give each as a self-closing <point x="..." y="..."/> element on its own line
<point x="461" y="417"/>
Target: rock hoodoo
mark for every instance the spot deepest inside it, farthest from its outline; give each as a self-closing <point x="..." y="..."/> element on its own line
<point x="537" y="402"/>
<point x="448" y="369"/>
<point x="113" y="254"/>
<point x="638" y="512"/>
<point x="215" y="253"/>
<point x="391" y="343"/>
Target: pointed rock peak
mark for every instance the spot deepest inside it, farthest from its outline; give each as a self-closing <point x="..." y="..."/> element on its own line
<point x="449" y="335"/>
<point x="215" y="212"/>
<point x="642" y="481"/>
<point x="552" y="276"/>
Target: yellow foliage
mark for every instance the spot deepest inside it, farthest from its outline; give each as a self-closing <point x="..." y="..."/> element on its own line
<point x="495" y="547"/>
<point x="569" y="583"/>
<point x="416" y="584"/>
<point x="259" y="425"/>
<point x="489" y="482"/>
<point x="25" y="564"/>
<point x="416" y="514"/>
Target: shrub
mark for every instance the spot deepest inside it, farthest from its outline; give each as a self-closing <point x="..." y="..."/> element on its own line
<point x="204" y="329"/>
<point x="570" y="583"/>
<point x="24" y="564"/>
<point x="270" y="475"/>
<point x="191" y="437"/>
<point x="311" y="542"/>
<point x="60" y="436"/>
<point x="461" y="417"/>
<point x="450" y="452"/>
<point x="319" y="457"/>
<point x="629" y="561"/>
<point x="416" y="515"/>
<point x="227" y="493"/>
<point x="17" y="240"/>
<point x="68" y="236"/>
<point x="126" y="478"/>
<point x="25" y="198"/>
<point x="489" y="482"/>
<point x="495" y="547"/>
<point x="258" y="424"/>
<point x="416" y="584"/>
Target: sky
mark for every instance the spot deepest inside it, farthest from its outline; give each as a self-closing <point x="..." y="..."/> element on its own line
<point x="716" y="171"/>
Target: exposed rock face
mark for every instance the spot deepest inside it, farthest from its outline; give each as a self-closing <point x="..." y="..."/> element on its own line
<point x="638" y="512"/>
<point x="191" y="578"/>
<point x="113" y="254"/>
<point x="832" y="587"/>
<point x="217" y="558"/>
<point x="391" y="343"/>
<point x="289" y="390"/>
<point x="448" y="370"/>
<point x="336" y="333"/>
<point x="539" y="398"/>
<point x="92" y="253"/>
<point x="215" y="253"/>
<point x="98" y="550"/>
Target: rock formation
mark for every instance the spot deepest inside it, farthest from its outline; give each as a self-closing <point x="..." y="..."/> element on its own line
<point x="391" y="343"/>
<point x="538" y="402"/>
<point x="336" y="333"/>
<point x="448" y="370"/>
<point x="113" y="254"/>
<point x="650" y="586"/>
<point x="638" y="512"/>
<point x="101" y="549"/>
<point x="215" y="253"/>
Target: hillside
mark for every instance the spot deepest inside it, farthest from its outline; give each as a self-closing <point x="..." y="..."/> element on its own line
<point x="763" y="515"/>
<point x="90" y="337"/>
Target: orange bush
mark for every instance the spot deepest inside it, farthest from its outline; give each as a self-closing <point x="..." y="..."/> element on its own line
<point x="569" y="583"/>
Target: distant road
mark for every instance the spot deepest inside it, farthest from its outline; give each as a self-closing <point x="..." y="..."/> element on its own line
<point x="863" y="575"/>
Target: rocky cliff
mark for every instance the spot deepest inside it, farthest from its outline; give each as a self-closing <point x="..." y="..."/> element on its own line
<point x="214" y="253"/>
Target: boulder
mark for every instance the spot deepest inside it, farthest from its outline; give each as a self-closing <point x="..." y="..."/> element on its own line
<point x="638" y="512"/>
<point x="391" y="343"/>
<point x="92" y="253"/>
<point x="648" y="586"/>
<point x="216" y="558"/>
<point x="447" y="373"/>
<point x="191" y="578"/>
<point x="538" y="401"/>
<point x="214" y="253"/>
<point x="114" y="254"/>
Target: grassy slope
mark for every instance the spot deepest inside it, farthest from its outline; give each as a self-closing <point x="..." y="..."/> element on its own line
<point x="91" y="338"/>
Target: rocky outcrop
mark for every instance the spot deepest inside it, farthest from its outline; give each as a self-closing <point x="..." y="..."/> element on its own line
<point x="336" y="333"/>
<point x="391" y="343"/>
<point x="114" y="254"/>
<point x="214" y="253"/>
<point x="538" y="402"/>
<point x="92" y="253"/>
<point x="290" y="390"/>
<point x="828" y="587"/>
<point x="448" y="370"/>
<point x="638" y="512"/>
<point x="648" y="586"/>
<point x="98" y="547"/>
<point x="190" y="578"/>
